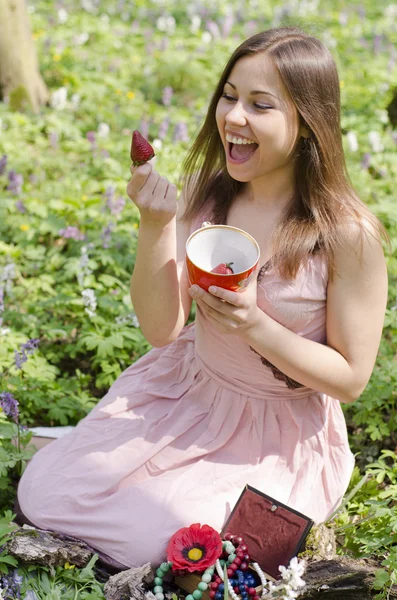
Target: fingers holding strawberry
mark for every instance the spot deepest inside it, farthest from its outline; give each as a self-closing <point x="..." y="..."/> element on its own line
<point x="154" y="195"/>
<point x="141" y="151"/>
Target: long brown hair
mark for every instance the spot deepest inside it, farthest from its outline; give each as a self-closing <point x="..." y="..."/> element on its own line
<point x="324" y="197"/>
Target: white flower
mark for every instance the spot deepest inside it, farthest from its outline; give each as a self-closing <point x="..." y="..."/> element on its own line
<point x="88" y="6"/>
<point x="75" y="100"/>
<point x="81" y="38"/>
<point x="83" y="270"/>
<point x="4" y="330"/>
<point x="195" y="24"/>
<point x="206" y="37"/>
<point x="103" y="130"/>
<point x="375" y="141"/>
<point x="391" y="11"/>
<point x="292" y="575"/>
<point x="130" y="319"/>
<point x="62" y="15"/>
<point x="382" y="113"/>
<point x="90" y="302"/>
<point x="157" y="144"/>
<point x="7" y="275"/>
<point x="59" y="98"/>
<point x="166" y="24"/>
<point x="352" y="141"/>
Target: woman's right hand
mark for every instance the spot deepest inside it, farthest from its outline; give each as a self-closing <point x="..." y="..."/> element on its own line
<point x="154" y="195"/>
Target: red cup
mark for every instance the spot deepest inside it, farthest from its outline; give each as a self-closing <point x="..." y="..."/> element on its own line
<point x="211" y="245"/>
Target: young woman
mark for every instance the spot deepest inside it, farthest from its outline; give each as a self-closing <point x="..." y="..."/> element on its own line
<point x="252" y="391"/>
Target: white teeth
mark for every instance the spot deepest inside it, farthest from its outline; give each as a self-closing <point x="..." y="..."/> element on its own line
<point x="236" y="140"/>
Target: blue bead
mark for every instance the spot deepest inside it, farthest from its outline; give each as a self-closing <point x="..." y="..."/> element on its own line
<point x="218" y="596"/>
<point x="238" y="572"/>
<point x="221" y="587"/>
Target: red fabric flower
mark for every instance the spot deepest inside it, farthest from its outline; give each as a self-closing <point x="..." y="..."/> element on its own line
<point x="194" y="548"/>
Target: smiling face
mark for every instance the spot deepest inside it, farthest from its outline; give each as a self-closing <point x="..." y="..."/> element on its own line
<point x="255" y="106"/>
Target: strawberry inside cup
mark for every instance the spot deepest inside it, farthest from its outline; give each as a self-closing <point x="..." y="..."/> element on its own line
<point x="214" y="245"/>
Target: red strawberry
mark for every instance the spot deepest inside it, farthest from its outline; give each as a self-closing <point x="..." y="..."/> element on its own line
<point x="141" y="150"/>
<point x="223" y="269"/>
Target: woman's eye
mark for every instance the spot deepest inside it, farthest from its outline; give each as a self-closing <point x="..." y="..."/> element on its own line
<point x="258" y="106"/>
<point x="227" y="97"/>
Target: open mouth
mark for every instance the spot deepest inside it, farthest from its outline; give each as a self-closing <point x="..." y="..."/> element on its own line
<point x="240" y="153"/>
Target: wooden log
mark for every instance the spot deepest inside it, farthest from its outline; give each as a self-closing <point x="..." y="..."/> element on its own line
<point x="338" y="579"/>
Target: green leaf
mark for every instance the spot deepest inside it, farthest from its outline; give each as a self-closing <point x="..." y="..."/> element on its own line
<point x="381" y="580"/>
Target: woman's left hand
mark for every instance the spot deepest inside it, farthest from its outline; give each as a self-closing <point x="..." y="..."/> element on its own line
<point x="229" y="312"/>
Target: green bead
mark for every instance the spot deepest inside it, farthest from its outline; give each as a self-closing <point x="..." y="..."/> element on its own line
<point x="159" y="573"/>
<point x="202" y="586"/>
<point x="197" y="595"/>
<point x="165" y="567"/>
<point x="189" y="597"/>
<point x="231" y="557"/>
<point x="157" y="589"/>
<point x="206" y="577"/>
<point x="158" y="581"/>
<point x="222" y="562"/>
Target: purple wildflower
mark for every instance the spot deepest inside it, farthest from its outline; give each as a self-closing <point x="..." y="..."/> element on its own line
<point x="167" y="95"/>
<point x="250" y="28"/>
<point x="15" y="181"/>
<point x="366" y="161"/>
<point x="163" y="129"/>
<point x="54" y="137"/>
<point x="3" y="164"/>
<point x="21" y="355"/>
<point x="109" y="193"/>
<point x="9" y="405"/>
<point x="180" y="133"/>
<point x="116" y="206"/>
<point x="10" y="585"/>
<point x="106" y="235"/>
<point x="20" y="206"/>
<point x="227" y="25"/>
<point x="213" y="28"/>
<point x="144" y="128"/>
<point x="361" y="12"/>
<point x="164" y="43"/>
<point x="377" y="44"/>
<point x="72" y="232"/>
<point x="91" y="137"/>
<point x="1" y="304"/>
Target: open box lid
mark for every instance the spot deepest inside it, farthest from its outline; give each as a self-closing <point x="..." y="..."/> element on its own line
<point x="273" y="532"/>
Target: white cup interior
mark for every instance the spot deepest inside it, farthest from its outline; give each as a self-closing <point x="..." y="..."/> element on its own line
<point x="221" y="244"/>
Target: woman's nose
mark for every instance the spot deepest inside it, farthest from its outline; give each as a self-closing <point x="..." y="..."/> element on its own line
<point x="236" y="114"/>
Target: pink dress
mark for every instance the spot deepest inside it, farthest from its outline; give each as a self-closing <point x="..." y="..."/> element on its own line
<point x="182" y="430"/>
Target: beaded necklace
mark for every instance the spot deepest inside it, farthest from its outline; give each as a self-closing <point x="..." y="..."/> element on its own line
<point x="239" y="581"/>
